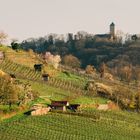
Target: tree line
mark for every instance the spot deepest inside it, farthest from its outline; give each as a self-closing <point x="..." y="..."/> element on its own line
<point x="84" y="49"/>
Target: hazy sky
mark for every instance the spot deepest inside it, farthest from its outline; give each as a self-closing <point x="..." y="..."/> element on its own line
<point x="22" y="19"/>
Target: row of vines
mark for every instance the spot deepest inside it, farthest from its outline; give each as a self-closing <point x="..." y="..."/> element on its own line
<point x="56" y="126"/>
<point x="19" y="70"/>
<point x="28" y="73"/>
<point x="121" y="96"/>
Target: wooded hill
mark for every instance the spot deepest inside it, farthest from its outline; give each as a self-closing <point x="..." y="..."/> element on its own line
<point x="85" y="49"/>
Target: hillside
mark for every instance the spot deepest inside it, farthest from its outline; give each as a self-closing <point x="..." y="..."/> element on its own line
<point x="85" y="124"/>
<point x="60" y="86"/>
<point x="72" y="82"/>
<point x="85" y="49"/>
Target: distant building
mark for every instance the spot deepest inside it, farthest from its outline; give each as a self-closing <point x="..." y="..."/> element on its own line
<point x="38" y="67"/>
<point x="112" y="30"/>
<point x="110" y="36"/>
<point x="59" y="105"/>
<point x="73" y="107"/>
<point x="45" y="77"/>
<point x="63" y="106"/>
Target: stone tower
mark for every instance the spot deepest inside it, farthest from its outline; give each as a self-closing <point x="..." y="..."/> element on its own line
<point x="112" y="30"/>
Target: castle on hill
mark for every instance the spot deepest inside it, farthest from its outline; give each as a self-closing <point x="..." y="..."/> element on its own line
<point x="110" y="36"/>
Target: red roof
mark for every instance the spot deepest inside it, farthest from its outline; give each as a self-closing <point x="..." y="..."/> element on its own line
<point x="59" y="103"/>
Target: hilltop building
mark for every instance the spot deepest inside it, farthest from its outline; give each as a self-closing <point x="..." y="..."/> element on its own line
<point x="110" y="36"/>
<point x="112" y="30"/>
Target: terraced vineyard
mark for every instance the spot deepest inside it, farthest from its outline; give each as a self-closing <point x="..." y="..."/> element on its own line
<point x="24" y="72"/>
<point x="54" y="126"/>
<point x="19" y="70"/>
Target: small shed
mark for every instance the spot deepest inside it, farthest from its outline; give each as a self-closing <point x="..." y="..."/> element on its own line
<point x="12" y="76"/>
<point x="38" y="67"/>
<point x="45" y="77"/>
<point x="73" y="107"/>
<point x="59" y="105"/>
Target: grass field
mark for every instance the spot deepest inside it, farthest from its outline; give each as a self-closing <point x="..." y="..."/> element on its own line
<point x="54" y="126"/>
<point x="48" y="92"/>
<point x="72" y="77"/>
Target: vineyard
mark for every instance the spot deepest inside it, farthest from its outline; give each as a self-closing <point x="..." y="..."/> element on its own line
<point x="55" y="126"/>
<point x="25" y="72"/>
<point x="85" y="124"/>
<point x="19" y="70"/>
<point x="76" y="86"/>
<point x="56" y="88"/>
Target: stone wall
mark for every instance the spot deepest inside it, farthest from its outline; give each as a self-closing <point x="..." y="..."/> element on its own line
<point x="40" y="111"/>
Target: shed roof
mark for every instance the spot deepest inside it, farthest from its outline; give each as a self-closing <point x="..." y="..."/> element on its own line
<point x="59" y="103"/>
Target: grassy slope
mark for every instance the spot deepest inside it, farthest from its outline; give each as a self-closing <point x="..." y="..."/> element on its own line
<point x="28" y="59"/>
<point x="49" y="92"/>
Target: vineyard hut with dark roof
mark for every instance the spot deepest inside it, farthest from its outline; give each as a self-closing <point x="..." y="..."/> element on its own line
<point x="38" y="67"/>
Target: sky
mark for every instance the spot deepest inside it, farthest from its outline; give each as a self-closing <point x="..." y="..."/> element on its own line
<point x="22" y="19"/>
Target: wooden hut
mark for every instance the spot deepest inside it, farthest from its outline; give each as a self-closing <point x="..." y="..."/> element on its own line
<point x="59" y="105"/>
<point x="45" y="77"/>
<point x="38" y="67"/>
<point x="73" y="107"/>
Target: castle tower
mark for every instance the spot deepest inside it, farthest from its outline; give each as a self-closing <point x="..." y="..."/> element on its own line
<point x="112" y="30"/>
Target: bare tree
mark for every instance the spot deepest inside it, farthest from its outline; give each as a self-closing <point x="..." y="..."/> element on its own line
<point x="3" y="37"/>
<point x="127" y="72"/>
<point x="71" y="61"/>
<point x="102" y="70"/>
